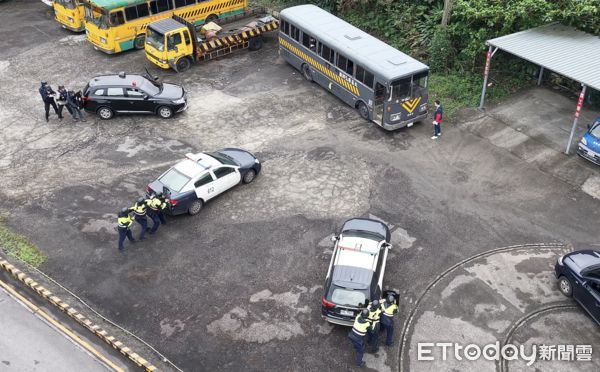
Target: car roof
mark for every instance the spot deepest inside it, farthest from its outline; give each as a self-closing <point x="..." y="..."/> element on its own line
<point x="355" y="262"/>
<point x="165" y="25"/>
<point x="195" y="164"/>
<point x="116" y="80"/>
<point x="369" y="225"/>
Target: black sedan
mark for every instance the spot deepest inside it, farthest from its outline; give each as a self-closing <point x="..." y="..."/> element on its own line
<point x="578" y="275"/>
<point x="133" y="94"/>
<point x="200" y="177"/>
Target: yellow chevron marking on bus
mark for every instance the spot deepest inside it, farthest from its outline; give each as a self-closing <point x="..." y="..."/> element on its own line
<point x="411" y="105"/>
<point x="346" y="85"/>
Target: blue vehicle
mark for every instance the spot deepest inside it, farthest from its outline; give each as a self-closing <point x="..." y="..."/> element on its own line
<point x="578" y="275"/>
<point x="589" y="146"/>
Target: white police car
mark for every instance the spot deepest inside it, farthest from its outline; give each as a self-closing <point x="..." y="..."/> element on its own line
<point x="202" y="176"/>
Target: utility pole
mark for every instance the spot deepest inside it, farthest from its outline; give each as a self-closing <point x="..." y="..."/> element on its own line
<point x="447" y="10"/>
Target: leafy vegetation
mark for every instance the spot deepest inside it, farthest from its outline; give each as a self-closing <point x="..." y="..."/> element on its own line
<point x="15" y="245"/>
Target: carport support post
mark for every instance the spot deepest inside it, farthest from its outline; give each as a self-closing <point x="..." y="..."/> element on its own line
<point x="577" y="112"/>
<point x="486" y="73"/>
<point x="540" y="75"/>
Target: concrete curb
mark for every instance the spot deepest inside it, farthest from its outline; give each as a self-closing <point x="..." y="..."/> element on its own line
<point x="76" y="315"/>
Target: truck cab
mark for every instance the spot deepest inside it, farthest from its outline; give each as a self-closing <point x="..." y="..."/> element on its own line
<point x="169" y="44"/>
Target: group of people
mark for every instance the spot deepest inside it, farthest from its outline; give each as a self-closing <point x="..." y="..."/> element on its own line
<point x="377" y="318"/>
<point x="152" y="206"/>
<point x="63" y="98"/>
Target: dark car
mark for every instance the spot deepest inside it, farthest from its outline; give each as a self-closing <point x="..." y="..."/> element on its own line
<point x="578" y="275"/>
<point x="356" y="270"/>
<point x="108" y="95"/>
<point x="202" y="176"/>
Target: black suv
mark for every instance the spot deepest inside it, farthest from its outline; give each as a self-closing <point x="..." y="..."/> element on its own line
<point x="355" y="275"/>
<point x="107" y="95"/>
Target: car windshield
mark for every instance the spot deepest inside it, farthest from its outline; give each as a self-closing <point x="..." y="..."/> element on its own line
<point x="155" y="39"/>
<point x="348" y="297"/>
<point x="68" y="4"/>
<point x="96" y="16"/>
<point x="174" y="179"/>
<point x="595" y="131"/>
<point x="363" y="234"/>
<point x="222" y="158"/>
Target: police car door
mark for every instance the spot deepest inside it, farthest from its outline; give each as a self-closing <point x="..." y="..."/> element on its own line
<point x="205" y="187"/>
<point x="227" y="177"/>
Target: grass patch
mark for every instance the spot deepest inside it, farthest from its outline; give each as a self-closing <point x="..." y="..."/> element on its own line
<point x="460" y="90"/>
<point x="17" y="246"/>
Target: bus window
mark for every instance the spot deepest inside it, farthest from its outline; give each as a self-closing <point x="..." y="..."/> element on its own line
<point x="131" y="13"/>
<point x="364" y="76"/>
<point x="142" y="10"/>
<point x="419" y="84"/>
<point x="401" y="88"/>
<point x="345" y="64"/>
<point x="157" y="6"/>
<point x="327" y="53"/>
<point x="116" y="18"/>
<point x="295" y="33"/>
<point x="309" y="42"/>
<point x="181" y="3"/>
<point x="285" y="27"/>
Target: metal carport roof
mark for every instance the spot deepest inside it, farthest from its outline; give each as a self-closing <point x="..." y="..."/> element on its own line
<point x="564" y="50"/>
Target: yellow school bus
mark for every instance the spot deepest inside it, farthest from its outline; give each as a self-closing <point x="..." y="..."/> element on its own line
<point x="70" y="14"/>
<point x="113" y="26"/>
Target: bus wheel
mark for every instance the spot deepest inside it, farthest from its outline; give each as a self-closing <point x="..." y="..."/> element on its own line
<point x="139" y="42"/>
<point x="211" y="18"/>
<point x="363" y="110"/>
<point x="255" y="43"/>
<point x="306" y="72"/>
<point x="183" y="64"/>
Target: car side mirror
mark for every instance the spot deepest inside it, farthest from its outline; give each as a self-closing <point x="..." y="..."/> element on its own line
<point x="146" y="96"/>
<point x="335" y="238"/>
<point x="589" y="126"/>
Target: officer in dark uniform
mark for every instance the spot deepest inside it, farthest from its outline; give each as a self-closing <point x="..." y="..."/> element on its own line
<point x="139" y="209"/>
<point x="124" y="222"/>
<point x="153" y="204"/>
<point x="357" y="335"/>
<point x="389" y="308"/>
<point x="374" y="315"/>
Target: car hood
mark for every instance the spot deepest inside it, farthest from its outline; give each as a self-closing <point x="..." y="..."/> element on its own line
<point x="592" y="142"/>
<point x="170" y="91"/>
<point x="580" y="260"/>
<point x="243" y="158"/>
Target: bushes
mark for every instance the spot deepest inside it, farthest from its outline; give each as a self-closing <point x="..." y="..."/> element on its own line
<point x="440" y="50"/>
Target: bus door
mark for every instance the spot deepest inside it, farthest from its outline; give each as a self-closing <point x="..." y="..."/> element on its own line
<point x="380" y="94"/>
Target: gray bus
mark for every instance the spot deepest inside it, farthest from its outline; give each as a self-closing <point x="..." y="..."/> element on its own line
<point x="382" y="83"/>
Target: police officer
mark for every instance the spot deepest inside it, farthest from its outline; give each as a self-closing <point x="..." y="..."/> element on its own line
<point x="139" y="209"/>
<point x="153" y="204"/>
<point x="361" y="326"/>
<point x="124" y="223"/>
<point x="374" y="309"/>
<point x="389" y="308"/>
<point x="164" y="205"/>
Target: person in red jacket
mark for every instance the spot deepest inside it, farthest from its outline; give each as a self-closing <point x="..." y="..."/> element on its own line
<point x="437" y="120"/>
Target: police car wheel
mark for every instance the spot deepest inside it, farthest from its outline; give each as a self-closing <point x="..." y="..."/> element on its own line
<point x="165" y="112"/>
<point x="363" y="110"/>
<point x="105" y="113"/>
<point x="306" y="72"/>
<point x="565" y="287"/>
<point x="196" y="207"/>
<point x="249" y="176"/>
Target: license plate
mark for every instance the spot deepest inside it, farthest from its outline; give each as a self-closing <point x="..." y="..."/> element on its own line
<point x="346" y="312"/>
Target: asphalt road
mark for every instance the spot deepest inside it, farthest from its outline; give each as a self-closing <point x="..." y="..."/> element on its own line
<point x="238" y="287"/>
<point x="29" y="343"/>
